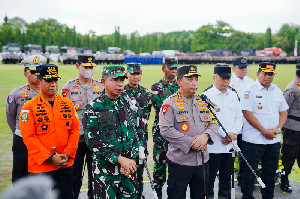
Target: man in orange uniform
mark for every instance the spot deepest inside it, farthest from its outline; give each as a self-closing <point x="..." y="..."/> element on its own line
<point x="50" y="130"/>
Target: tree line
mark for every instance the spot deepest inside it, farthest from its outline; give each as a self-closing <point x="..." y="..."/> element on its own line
<point x="47" y="32"/>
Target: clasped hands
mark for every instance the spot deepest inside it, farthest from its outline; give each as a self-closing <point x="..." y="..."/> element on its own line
<point x="60" y="160"/>
<point x="128" y="166"/>
<point x="200" y="142"/>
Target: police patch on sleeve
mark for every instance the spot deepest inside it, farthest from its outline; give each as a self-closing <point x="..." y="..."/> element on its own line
<point x="292" y="95"/>
<point x="9" y="99"/>
<point x="24" y="114"/>
<point x="65" y="92"/>
<point x="165" y="108"/>
<point x="24" y="117"/>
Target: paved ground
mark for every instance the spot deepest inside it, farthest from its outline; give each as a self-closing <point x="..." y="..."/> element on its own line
<point x="278" y="193"/>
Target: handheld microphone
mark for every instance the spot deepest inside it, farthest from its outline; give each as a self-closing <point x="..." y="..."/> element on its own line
<point x="207" y="100"/>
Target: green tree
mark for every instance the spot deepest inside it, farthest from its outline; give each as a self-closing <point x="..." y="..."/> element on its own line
<point x="268" y="38"/>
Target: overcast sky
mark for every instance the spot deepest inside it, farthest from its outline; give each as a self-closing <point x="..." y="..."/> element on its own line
<point x="156" y="15"/>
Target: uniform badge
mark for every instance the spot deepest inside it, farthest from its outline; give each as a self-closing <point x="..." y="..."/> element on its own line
<point x="246" y="94"/>
<point x="180" y="103"/>
<point x="181" y="107"/>
<point x="183" y="118"/>
<point x="75" y="87"/>
<point x="65" y="116"/>
<point x="96" y="88"/>
<point x="24" y="117"/>
<point x="165" y="108"/>
<point x="25" y="94"/>
<point x="44" y="127"/>
<point x="292" y="95"/>
<point x="9" y="99"/>
<point x="205" y="117"/>
<point x="65" y="92"/>
<point x="77" y="106"/>
<point x="259" y="106"/>
<point x="175" y="99"/>
<point x="40" y="119"/>
<point x="184" y="127"/>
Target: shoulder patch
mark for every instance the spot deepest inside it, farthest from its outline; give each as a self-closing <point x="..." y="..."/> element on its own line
<point x="65" y="92"/>
<point x="292" y="95"/>
<point x="165" y="108"/>
<point x="9" y="99"/>
<point x="246" y="94"/>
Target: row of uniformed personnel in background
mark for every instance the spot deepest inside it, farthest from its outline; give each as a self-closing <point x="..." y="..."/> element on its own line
<point x="101" y="135"/>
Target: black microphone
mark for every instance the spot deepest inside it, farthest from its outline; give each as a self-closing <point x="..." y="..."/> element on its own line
<point x="207" y="100"/>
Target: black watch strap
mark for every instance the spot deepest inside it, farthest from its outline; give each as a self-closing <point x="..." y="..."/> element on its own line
<point x="49" y="160"/>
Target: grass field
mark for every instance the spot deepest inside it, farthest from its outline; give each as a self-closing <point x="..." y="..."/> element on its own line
<point x="11" y="76"/>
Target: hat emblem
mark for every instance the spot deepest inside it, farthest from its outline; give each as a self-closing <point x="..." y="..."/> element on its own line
<point x="51" y="70"/>
<point x="90" y="59"/>
<point x="36" y="60"/>
<point x="269" y="66"/>
<point x="192" y="68"/>
<point x="243" y="61"/>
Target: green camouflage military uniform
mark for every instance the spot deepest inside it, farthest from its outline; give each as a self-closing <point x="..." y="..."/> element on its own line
<point x="108" y="132"/>
<point x="161" y="90"/>
<point x="144" y="100"/>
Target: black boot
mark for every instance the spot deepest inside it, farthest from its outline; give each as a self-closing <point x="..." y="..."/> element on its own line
<point x="285" y="185"/>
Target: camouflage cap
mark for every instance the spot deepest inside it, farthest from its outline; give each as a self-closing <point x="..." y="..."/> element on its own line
<point x="33" y="61"/>
<point x="47" y="71"/>
<point x="86" y="60"/>
<point x="134" y="68"/>
<point x="114" y="71"/>
<point x="170" y="62"/>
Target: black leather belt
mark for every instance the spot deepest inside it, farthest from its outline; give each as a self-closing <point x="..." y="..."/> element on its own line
<point x="294" y="118"/>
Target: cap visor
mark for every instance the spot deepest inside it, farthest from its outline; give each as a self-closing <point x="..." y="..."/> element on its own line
<point x="88" y="64"/>
<point x="243" y="65"/>
<point x="172" y="65"/>
<point x="114" y="76"/>
<point x="224" y="75"/>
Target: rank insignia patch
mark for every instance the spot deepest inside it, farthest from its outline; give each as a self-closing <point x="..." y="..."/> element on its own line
<point x="181" y="107"/>
<point x="165" y="108"/>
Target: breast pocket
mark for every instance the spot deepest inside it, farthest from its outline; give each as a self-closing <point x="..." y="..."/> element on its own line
<point x="107" y="122"/>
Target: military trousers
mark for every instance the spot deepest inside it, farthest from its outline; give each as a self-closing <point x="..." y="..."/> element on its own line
<point x="83" y="156"/>
<point x="180" y="176"/>
<point x="268" y="154"/>
<point x="160" y="148"/>
<point x="290" y="149"/>
<point x="114" y="186"/>
<point x="20" y="158"/>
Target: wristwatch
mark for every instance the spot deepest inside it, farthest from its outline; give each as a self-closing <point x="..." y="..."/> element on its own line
<point x="279" y="130"/>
